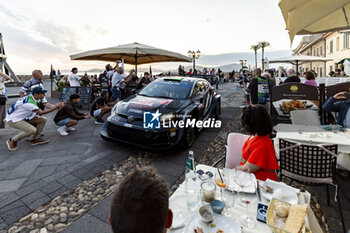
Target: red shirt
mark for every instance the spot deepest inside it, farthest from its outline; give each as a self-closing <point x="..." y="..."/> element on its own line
<point x="260" y="151"/>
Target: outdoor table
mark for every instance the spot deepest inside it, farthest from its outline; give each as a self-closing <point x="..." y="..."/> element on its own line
<point x="178" y="201"/>
<point x="316" y="135"/>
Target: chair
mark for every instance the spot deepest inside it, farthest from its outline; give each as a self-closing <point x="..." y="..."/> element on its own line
<point x="235" y="142"/>
<point x="310" y="164"/>
<point x="305" y="117"/>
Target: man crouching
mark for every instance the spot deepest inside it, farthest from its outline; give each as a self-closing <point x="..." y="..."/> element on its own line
<point x="69" y="115"/>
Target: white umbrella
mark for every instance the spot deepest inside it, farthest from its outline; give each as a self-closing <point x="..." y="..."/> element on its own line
<point x="300" y="59"/>
<point x="315" y="16"/>
<point x="347" y="67"/>
<point x="134" y="54"/>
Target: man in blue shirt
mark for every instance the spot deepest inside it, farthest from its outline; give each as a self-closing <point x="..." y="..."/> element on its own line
<point x="341" y="104"/>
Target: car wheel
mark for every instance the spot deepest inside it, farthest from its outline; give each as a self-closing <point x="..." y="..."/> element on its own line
<point x="188" y="137"/>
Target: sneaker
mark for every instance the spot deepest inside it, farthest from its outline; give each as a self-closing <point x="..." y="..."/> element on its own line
<point x="39" y="141"/>
<point x="70" y="129"/>
<point x="62" y="131"/>
<point x="99" y="122"/>
<point x="11" y="145"/>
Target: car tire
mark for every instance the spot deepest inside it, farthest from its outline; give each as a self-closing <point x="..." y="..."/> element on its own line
<point x="188" y="137"/>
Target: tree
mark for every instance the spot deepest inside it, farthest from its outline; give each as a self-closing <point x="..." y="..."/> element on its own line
<point x="263" y="45"/>
<point x="255" y="48"/>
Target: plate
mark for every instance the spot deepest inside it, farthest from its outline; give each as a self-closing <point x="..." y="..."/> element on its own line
<point x="282" y="192"/>
<point x="221" y="222"/>
<point x="239" y="176"/>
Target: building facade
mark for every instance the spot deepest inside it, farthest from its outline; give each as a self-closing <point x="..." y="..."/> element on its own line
<point x="333" y="45"/>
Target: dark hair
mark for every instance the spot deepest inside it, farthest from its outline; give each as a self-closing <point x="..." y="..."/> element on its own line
<point x="74" y="69"/>
<point x="309" y="75"/>
<point x="104" y="93"/>
<point x="140" y="203"/>
<point x="146" y="73"/>
<point x="74" y="96"/>
<point x="256" y="120"/>
<point x="108" y="67"/>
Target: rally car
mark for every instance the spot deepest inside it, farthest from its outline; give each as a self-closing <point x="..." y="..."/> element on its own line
<point x="167" y="112"/>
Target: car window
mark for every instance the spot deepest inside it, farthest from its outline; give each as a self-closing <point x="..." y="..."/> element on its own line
<point x="173" y="90"/>
<point x="199" y="89"/>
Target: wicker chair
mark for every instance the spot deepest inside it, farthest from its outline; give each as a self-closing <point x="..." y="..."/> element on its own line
<point x="310" y="164"/>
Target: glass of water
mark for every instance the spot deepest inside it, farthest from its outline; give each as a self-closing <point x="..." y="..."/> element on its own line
<point x="229" y="200"/>
<point x="191" y="200"/>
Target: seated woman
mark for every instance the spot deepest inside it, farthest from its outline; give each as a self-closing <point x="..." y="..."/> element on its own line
<point x="258" y="154"/>
<point x="310" y="78"/>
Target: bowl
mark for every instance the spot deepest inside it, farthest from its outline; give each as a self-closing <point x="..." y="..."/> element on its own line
<point x="206" y="214"/>
<point x="217" y="206"/>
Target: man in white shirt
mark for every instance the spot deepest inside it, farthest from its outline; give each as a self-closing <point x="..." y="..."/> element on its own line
<point x="24" y="114"/>
<point x="73" y="78"/>
<point x="118" y="84"/>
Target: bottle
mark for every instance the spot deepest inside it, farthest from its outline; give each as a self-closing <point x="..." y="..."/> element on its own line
<point x="190" y="173"/>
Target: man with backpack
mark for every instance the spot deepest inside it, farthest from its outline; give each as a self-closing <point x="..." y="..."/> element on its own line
<point x="36" y="81"/>
<point x="259" y="88"/>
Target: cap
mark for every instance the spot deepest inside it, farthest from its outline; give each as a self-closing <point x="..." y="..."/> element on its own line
<point x="38" y="90"/>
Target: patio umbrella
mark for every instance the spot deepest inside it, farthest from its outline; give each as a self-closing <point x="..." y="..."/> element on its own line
<point x="300" y="59"/>
<point x="134" y="54"/>
<point x="315" y="16"/>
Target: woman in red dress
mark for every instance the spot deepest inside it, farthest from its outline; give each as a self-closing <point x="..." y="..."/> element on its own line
<point x="258" y="154"/>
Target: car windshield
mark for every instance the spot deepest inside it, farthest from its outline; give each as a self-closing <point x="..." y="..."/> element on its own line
<point x="167" y="89"/>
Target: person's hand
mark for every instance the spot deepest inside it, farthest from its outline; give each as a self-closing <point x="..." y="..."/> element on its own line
<point x="87" y="115"/>
<point x="198" y="230"/>
<point x="340" y="96"/>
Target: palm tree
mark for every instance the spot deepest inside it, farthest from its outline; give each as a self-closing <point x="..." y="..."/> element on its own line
<point x="263" y="45"/>
<point x="255" y="48"/>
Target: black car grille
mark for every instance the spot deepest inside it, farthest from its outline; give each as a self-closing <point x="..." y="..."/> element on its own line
<point x="138" y="136"/>
<point x="174" y="105"/>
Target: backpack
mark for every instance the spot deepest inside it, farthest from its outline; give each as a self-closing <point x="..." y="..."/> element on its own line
<point x="263" y="91"/>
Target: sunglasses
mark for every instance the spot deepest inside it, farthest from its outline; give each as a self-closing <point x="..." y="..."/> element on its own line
<point x="207" y="175"/>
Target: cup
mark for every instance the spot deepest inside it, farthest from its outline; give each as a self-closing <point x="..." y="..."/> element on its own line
<point x="208" y="191"/>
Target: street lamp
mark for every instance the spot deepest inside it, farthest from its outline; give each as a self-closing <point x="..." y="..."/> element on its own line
<point x="243" y="63"/>
<point x="194" y="55"/>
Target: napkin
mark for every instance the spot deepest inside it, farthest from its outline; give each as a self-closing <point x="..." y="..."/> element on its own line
<point x="283" y="192"/>
<point x="179" y="219"/>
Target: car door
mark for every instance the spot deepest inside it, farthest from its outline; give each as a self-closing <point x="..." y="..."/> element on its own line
<point x="197" y="97"/>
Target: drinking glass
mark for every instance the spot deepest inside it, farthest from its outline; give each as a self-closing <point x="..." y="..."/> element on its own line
<point x="208" y="191"/>
<point x="229" y="200"/>
<point x="248" y="199"/>
<point x="221" y="180"/>
<point x="191" y="200"/>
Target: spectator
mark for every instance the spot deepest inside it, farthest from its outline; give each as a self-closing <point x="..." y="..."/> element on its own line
<point x="100" y="107"/>
<point x="342" y="74"/>
<point x="258" y="153"/>
<point x="24" y="114"/>
<point x="131" y="83"/>
<point x="69" y="116"/>
<point x="310" y="78"/>
<point x="85" y="81"/>
<point x="141" y="203"/>
<point x="73" y="78"/>
<point x="331" y="74"/>
<point x="145" y="80"/>
<point x="36" y="81"/>
<point x="292" y="77"/>
<point x="58" y="75"/>
<point x="189" y="72"/>
<point x="118" y="84"/>
<point x="259" y="88"/>
<point x="272" y="77"/>
<point x="341" y="104"/>
<point x="3" y="98"/>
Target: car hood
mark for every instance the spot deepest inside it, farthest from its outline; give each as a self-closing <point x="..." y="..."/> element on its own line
<point x="137" y="105"/>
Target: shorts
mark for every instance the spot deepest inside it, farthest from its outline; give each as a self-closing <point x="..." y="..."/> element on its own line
<point x="97" y="112"/>
<point x="63" y="122"/>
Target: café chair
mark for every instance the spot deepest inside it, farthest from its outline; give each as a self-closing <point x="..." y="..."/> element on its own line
<point x="235" y="142"/>
<point x="310" y="164"/>
<point x="305" y="117"/>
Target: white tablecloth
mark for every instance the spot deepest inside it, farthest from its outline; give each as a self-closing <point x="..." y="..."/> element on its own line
<point x="316" y="135"/>
<point x="178" y="201"/>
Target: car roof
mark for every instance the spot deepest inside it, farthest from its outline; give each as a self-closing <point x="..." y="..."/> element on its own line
<point x="180" y="79"/>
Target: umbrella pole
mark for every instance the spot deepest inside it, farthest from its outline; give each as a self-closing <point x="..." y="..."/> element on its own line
<point x="297" y="67"/>
<point x="136" y="63"/>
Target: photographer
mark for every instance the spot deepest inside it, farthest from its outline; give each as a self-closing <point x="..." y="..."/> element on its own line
<point x="131" y="82"/>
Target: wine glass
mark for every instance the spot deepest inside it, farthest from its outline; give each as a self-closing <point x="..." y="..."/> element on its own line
<point x="229" y="200"/>
<point x="248" y="199"/>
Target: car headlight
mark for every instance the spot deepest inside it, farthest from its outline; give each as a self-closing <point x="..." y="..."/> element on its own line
<point x="115" y="110"/>
<point x="167" y="117"/>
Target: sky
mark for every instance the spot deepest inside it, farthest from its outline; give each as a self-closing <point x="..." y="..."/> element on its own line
<point x="38" y="33"/>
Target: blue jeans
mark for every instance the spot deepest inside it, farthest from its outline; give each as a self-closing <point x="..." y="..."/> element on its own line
<point x="63" y="122"/>
<point x="116" y="94"/>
